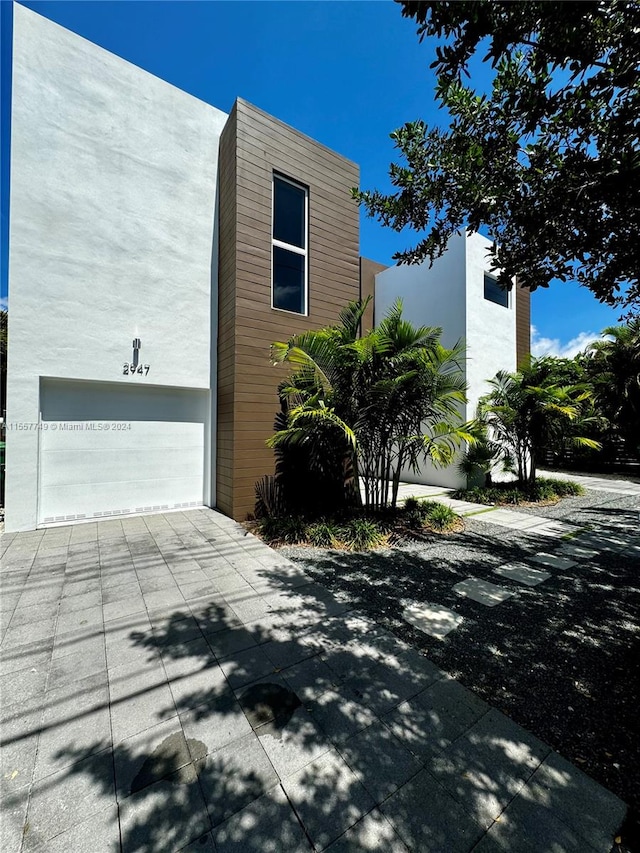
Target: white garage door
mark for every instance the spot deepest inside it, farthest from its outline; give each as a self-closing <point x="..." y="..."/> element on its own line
<point x="108" y="449"/>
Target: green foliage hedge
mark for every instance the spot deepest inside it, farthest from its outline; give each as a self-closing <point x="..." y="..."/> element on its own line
<point x="544" y="489"/>
<point x="359" y="532"/>
<point x="428" y="514"/>
<point x="354" y="534"/>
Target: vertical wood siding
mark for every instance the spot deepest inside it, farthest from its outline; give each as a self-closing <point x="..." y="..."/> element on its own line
<point x="253" y="146"/>
<point x="523" y="323"/>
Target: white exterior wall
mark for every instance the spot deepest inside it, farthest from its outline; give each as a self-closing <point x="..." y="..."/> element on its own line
<point x="491" y="328"/>
<point x="112" y="210"/>
<point x="433" y="296"/>
<point x="450" y="294"/>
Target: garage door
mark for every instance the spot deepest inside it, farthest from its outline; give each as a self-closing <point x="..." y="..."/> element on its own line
<point x="109" y="449"/>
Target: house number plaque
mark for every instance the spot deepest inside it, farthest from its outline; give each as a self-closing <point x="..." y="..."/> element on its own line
<point x="133" y="368"/>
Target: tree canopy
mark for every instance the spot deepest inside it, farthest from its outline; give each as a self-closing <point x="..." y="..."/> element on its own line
<point x="547" y="162"/>
<point x="613" y="365"/>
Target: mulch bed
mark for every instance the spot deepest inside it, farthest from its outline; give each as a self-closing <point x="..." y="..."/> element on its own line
<point x="562" y="659"/>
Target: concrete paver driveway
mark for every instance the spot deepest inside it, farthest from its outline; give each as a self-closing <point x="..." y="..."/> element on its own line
<point x="171" y="683"/>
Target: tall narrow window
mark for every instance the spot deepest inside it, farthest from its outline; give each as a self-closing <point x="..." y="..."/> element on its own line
<point x="289" y="245"/>
<point x="494" y="293"/>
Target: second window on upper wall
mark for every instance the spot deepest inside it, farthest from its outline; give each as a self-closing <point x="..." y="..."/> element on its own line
<point x="494" y="293"/>
<point x="289" y="266"/>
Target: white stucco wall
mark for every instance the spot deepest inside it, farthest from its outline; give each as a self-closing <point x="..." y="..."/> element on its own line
<point x="491" y="328"/>
<point x="450" y="294"/>
<point x="112" y="208"/>
<point x="431" y="297"/>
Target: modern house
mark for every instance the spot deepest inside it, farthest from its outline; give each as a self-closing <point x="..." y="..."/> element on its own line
<point x="460" y="294"/>
<point x="158" y="246"/>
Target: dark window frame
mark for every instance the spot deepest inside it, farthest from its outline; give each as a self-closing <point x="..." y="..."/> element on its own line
<point x="290" y="247"/>
<point x="504" y="297"/>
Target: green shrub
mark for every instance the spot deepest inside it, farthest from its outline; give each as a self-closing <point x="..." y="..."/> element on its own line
<point x="358" y="534"/>
<point x="290" y="530"/>
<point x="361" y="534"/>
<point x="563" y="488"/>
<point x="494" y="495"/>
<point x="541" y="491"/>
<point x="510" y="493"/>
<point x="428" y="506"/>
<point x="440" y="516"/>
<point x="414" y="519"/>
<point x="411" y="505"/>
<point x="487" y="495"/>
<point x="420" y="513"/>
<point x="413" y="513"/>
<point x="324" y="534"/>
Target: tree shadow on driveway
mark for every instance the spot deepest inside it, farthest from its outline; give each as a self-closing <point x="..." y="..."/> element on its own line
<point x="559" y="658"/>
<point x="272" y="716"/>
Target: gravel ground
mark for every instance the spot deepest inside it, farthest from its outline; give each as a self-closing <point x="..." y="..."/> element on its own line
<point x="562" y="659"/>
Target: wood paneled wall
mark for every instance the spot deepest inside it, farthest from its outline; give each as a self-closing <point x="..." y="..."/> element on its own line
<point x="523" y="323"/>
<point x="253" y="146"/>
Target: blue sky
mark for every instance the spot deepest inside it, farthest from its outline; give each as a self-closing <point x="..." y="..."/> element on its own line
<point x="345" y="73"/>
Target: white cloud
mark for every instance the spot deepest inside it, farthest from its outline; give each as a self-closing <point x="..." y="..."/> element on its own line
<point x="553" y="346"/>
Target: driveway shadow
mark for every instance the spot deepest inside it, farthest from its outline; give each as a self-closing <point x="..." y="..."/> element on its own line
<point x="276" y="715"/>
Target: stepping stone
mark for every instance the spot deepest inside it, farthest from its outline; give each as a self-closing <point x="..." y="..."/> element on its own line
<point x="602" y="541"/>
<point x="552" y="561"/>
<point x="614" y="543"/>
<point x="433" y="619"/>
<point x="481" y="591"/>
<point x="462" y="507"/>
<point x="511" y="519"/>
<point x="580" y="552"/>
<point x="553" y="529"/>
<point x="522" y="573"/>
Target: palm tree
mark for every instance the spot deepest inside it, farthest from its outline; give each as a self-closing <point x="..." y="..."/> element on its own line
<point x="613" y="364"/>
<point x="314" y="445"/>
<point x="387" y="400"/>
<point x="527" y="412"/>
<point x="413" y="389"/>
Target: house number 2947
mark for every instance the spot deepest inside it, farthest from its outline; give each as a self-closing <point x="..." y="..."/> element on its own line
<point x="133" y="369"/>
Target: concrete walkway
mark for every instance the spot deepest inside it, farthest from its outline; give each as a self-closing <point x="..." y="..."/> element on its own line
<point x="171" y="683"/>
<point x="594" y="483"/>
<point x="575" y="543"/>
